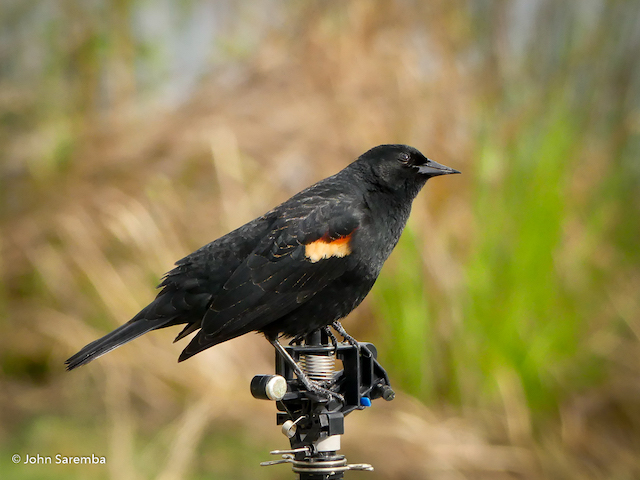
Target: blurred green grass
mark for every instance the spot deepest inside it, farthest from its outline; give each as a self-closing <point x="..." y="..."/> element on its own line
<point x="509" y="307"/>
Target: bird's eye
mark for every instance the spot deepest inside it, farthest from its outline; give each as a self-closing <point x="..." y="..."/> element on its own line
<point x="404" y="158"/>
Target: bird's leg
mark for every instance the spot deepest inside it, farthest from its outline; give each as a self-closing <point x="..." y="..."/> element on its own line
<point x="332" y="337"/>
<point x="310" y="385"/>
<point x="337" y="326"/>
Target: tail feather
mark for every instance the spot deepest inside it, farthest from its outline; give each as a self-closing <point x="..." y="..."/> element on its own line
<point x="187" y="330"/>
<point x="121" y="335"/>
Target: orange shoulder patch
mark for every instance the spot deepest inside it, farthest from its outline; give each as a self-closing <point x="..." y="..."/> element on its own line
<point x="323" y="248"/>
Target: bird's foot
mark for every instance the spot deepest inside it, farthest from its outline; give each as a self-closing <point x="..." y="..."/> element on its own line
<point x="310" y="385"/>
<point x="317" y="389"/>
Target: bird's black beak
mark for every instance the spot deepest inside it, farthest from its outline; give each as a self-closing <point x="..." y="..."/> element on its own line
<point x="433" y="169"/>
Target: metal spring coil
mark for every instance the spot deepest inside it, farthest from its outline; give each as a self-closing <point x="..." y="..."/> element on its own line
<point x="318" y="367"/>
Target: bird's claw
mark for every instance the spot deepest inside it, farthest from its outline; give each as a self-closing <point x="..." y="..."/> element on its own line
<point x="316" y="389"/>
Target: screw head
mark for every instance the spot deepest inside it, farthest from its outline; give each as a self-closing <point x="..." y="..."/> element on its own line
<point x="387" y="393"/>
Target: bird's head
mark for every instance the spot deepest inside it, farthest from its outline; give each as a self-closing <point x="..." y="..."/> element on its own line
<point x="400" y="167"/>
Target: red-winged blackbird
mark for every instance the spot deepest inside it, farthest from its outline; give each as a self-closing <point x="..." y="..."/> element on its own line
<point x="300" y="267"/>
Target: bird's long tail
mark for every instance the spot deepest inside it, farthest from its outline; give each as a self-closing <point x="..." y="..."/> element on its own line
<point x="121" y="335"/>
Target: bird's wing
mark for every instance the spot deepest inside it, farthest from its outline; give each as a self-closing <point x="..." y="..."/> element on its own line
<point x="188" y="290"/>
<point x="304" y="251"/>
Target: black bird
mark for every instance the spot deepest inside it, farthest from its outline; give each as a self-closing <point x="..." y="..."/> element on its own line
<point x="302" y="266"/>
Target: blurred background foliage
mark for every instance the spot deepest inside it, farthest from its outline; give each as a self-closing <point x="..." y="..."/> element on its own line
<point x="133" y="132"/>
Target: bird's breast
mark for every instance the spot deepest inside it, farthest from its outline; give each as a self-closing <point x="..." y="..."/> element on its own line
<point x="376" y="239"/>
